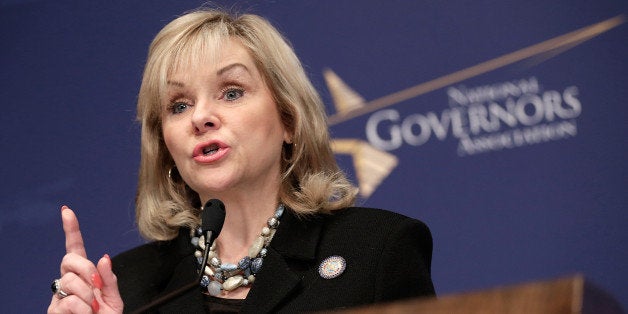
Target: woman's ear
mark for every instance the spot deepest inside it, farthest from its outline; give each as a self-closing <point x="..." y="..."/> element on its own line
<point x="287" y="137"/>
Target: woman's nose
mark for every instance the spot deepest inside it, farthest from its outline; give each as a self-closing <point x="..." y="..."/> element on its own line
<point x="204" y="117"/>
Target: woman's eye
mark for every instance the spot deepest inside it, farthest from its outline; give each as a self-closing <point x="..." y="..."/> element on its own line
<point x="178" y="107"/>
<point x="233" y="94"/>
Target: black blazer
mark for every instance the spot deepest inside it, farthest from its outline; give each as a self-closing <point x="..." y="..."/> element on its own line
<point x="387" y="255"/>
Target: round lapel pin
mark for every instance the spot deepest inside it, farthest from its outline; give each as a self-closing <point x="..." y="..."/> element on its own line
<point x="332" y="267"/>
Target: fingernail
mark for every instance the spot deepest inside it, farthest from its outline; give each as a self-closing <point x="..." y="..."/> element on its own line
<point x="97" y="281"/>
<point x="64" y="207"/>
<point x="95" y="306"/>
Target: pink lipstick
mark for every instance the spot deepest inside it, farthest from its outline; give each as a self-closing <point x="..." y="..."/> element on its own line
<point x="209" y="152"/>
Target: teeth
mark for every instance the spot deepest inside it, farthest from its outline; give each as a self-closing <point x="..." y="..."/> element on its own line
<point x="210" y="149"/>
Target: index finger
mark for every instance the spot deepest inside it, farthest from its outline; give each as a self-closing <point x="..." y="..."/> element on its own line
<point x="73" y="237"/>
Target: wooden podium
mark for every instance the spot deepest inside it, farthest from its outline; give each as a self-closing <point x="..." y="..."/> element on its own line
<point x="567" y="295"/>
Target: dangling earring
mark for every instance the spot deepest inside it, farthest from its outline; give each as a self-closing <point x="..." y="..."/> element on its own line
<point x="287" y="152"/>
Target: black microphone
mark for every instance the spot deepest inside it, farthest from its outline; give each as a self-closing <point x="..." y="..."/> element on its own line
<point x="213" y="217"/>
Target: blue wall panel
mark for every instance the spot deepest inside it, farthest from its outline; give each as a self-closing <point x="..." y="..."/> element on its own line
<point x="538" y="196"/>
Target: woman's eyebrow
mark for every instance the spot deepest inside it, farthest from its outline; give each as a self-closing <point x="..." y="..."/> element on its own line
<point x="175" y="83"/>
<point x="232" y="67"/>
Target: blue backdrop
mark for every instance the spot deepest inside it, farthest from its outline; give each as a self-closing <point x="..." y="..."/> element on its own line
<point x="501" y="124"/>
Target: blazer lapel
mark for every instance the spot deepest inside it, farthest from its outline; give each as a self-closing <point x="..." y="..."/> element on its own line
<point x="294" y="242"/>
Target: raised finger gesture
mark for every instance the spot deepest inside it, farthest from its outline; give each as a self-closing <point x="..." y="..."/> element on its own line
<point x="83" y="286"/>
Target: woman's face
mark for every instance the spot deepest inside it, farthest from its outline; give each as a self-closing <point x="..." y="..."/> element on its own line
<point x="222" y="127"/>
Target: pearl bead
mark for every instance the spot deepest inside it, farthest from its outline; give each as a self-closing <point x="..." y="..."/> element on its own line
<point x="265" y="231"/>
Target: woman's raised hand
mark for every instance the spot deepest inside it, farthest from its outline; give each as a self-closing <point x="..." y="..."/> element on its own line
<point x="83" y="286"/>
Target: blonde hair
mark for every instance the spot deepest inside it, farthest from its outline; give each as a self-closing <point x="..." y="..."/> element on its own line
<point x="311" y="179"/>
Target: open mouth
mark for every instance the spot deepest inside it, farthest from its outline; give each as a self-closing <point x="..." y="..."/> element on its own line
<point x="211" y="149"/>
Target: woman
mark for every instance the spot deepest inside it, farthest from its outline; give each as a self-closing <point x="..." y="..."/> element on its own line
<point x="227" y="112"/>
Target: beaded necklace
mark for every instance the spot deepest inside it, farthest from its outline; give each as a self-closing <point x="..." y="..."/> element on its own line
<point x="218" y="276"/>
